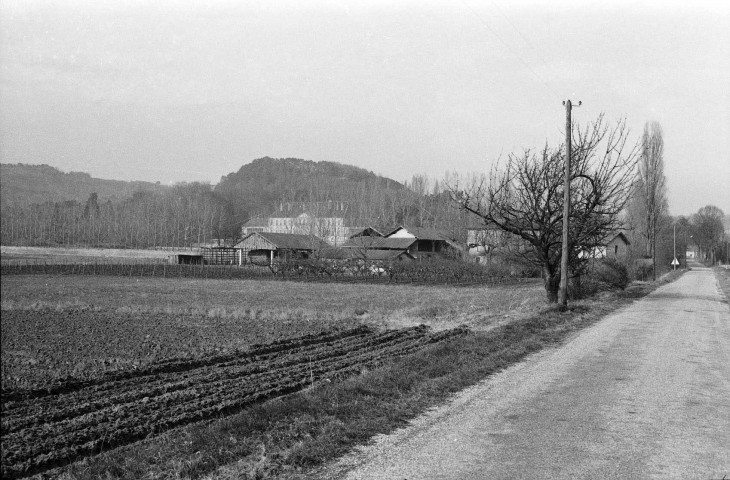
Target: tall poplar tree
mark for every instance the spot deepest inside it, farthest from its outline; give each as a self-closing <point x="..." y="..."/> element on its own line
<point x="652" y="186"/>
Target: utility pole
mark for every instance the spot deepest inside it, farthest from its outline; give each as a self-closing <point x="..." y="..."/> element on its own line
<point x="563" y="292"/>
<point x="674" y="265"/>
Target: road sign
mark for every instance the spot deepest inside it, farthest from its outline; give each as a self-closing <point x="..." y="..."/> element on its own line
<point x="675" y="262"/>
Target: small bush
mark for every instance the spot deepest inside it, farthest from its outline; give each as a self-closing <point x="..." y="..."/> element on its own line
<point x="583" y="287"/>
<point x="643" y="270"/>
<point x="612" y="273"/>
<point x="607" y="274"/>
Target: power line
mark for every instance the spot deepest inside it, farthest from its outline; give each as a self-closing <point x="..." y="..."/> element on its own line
<point x="514" y="27"/>
<point x="519" y="57"/>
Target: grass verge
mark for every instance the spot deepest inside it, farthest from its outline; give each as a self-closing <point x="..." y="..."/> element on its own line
<point x="302" y="431"/>
<point x="723" y="279"/>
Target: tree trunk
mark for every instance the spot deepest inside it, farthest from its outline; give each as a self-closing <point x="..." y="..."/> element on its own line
<point x="552" y="285"/>
<point x="653" y="256"/>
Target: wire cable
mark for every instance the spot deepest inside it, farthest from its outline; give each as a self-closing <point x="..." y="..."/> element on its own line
<point x="519" y="57"/>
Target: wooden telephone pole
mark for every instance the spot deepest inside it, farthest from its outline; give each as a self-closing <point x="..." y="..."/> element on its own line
<point x="563" y="292"/>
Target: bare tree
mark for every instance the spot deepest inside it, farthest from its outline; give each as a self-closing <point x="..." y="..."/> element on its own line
<point x="524" y="197"/>
<point x="708" y="230"/>
<point x="651" y="188"/>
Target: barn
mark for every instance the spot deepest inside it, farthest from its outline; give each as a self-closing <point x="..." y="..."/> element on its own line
<point x="427" y="242"/>
<point x="263" y="248"/>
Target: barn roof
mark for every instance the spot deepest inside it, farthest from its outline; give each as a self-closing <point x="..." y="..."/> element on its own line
<point x="368" y="231"/>
<point x="257" y="222"/>
<point x="379" y="243"/>
<point x="423" y="233"/>
<point x="287" y="241"/>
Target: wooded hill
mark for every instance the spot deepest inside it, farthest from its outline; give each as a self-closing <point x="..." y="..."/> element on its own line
<point x="265" y="185"/>
<point x="44" y="206"/>
<point x="31" y="184"/>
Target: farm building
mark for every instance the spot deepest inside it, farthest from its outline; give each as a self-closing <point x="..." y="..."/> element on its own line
<point x="217" y="252"/>
<point x="417" y="242"/>
<point x="331" y="228"/>
<point x="219" y="255"/>
<point x="428" y="242"/>
<point x="618" y="246"/>
<point x="615" y="246"/>
<point x="262" y="248"/>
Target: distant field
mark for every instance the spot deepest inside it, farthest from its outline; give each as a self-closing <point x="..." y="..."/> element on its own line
<point x="32" y="255"/>
<point x="83" y="326"/>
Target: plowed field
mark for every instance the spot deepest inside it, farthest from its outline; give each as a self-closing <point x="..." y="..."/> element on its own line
<point x="44" y="347"/>
<point x="45" y="428"/>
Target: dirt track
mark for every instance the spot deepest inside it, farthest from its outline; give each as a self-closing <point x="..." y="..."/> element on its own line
<point x="645" y="393"/>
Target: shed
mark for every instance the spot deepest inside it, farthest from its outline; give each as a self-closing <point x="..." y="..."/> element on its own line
<point x="617" y="246"/>
<point x="262" y="248"/>
<point x="218" y="252"/>
<point x="614" y="245"/>
<point x="428" y="241"/>
<point x="219" y="255"/>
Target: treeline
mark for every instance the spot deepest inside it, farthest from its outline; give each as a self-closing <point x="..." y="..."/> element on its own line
<point x="186" y="214"/>
<point x="177" y="217"/>
<point x="702" y="232"/>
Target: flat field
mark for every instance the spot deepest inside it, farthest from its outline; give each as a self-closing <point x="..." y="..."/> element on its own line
<point x="93" y="363"/>
<point x="168" y="382"/>
<point x="62" y="255"/>
<point x="54" y="327"/>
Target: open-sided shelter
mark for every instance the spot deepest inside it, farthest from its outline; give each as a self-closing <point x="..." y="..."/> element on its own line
<point x="263" y="248"/>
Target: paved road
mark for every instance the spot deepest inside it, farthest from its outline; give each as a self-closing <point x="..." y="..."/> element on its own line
<point x="645" y="393"/>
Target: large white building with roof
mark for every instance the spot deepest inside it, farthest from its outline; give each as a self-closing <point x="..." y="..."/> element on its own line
<point x="331" y="229"/>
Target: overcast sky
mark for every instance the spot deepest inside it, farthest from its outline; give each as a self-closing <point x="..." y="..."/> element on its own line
<point x="184" y="91"/>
